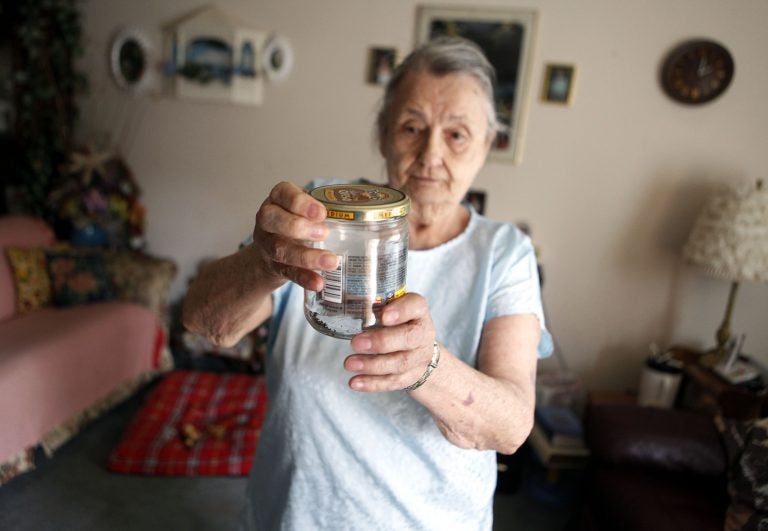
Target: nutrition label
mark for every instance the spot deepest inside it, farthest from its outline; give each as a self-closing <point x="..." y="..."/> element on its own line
<point x="357" y="278"/>
<point x="333" y="283"/>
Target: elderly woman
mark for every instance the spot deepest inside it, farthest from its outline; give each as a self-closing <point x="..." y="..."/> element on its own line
<point x="344" y="445"/>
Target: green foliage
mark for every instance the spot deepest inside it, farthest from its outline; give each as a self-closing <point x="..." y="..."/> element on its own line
<point x="47" y="43"/>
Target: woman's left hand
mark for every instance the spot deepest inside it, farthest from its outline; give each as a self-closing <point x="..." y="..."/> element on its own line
<point x="396" y="355"/>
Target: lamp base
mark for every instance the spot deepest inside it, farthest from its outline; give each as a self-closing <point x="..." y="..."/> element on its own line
<point x="712" y="357"/>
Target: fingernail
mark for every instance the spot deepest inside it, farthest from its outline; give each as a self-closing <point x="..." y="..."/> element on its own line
<point x="318" y="232"/>
<point x="356" y="384"/>
<point x="329" y="261"/>
<point x="355" y="365"/>
<point x="390" y="316"/>
<point x="314" y="211"/>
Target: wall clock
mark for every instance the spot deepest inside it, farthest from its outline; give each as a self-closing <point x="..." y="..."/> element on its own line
<point x="697" y="71"/>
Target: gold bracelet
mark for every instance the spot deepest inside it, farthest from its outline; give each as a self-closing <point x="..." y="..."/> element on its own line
<point x="431" y="367"/>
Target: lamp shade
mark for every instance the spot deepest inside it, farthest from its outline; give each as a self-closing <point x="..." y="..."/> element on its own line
<point x="730" y="237"/>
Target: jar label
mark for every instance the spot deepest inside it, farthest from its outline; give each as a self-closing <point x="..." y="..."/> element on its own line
<point x="336" y="214"/>
<point x="357" y="195"/>
<point x="359" y="282"/>
<point x="333" y="283"/>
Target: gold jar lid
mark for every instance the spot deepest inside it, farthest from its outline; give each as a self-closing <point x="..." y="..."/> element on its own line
<point x="362" y="202"/>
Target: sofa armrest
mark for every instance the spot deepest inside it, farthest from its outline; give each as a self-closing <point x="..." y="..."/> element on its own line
<point x="667" y="439"/>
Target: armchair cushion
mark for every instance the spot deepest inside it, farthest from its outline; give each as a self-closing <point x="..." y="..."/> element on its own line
<point x="652" y="468"/>
<point x="673" y="440"/>
<point x="632" y="499"/>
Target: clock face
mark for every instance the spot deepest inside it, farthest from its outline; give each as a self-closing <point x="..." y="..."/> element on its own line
<point x="697" y="72"/>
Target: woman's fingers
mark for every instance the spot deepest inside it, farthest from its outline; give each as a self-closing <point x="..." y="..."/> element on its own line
<point x="407" y="325"/>
<point x="396" y="355"/>
<point x="401" y="362"/>
<point x="297" y="263"/>
<point x="293" y="199"/>
<point x="378" y="384"/>
<point x="303" y="277"/>
<point x="387" y="372"/>
<point x="292" y="253"/>
<point x="407" y="336"/>
<point x="409" y="307"/>
<point x="287" y="219"/>
<point x="273" y="218"/>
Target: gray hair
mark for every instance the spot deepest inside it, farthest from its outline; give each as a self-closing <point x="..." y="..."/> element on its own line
<point x="440" y="57"/>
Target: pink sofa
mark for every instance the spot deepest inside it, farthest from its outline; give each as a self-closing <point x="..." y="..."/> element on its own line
<point x="60" y="367"/>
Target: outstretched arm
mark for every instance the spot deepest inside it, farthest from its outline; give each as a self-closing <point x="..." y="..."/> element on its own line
<point x="231" y="296"/>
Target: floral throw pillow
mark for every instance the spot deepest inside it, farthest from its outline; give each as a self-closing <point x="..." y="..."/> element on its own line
<point x="33" y="286"/>
<point x="78" y="277"/>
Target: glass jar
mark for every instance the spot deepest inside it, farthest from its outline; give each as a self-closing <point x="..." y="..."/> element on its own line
<point x="368" y="231"/>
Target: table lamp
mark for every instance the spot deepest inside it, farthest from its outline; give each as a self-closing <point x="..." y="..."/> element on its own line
<point x="729" y="240"/>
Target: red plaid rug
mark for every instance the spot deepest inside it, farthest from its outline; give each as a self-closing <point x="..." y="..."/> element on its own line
<point x="195" y="424"/>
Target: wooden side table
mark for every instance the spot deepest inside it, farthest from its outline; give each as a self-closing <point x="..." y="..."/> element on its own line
<point x="626" y="397"/>
<point x="704" y="390"/>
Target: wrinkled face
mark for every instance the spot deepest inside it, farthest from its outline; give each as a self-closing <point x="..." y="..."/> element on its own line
<point x="438" y="138"/>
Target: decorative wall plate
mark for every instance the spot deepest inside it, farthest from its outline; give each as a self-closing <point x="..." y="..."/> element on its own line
<point x="277" y="58"/>
<point x="129" y="60"/>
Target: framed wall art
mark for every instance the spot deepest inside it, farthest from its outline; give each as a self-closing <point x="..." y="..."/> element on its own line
<point x="381" y="63"/>
<point x="209" y="56"/>
<point x="476" y="198"/>
<point x="557" y="86"/>
<point x="507" y="37"/>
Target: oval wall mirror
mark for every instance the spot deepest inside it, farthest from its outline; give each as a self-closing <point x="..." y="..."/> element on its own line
<point x="129" y="60"/>
<point x="277" y="58"/>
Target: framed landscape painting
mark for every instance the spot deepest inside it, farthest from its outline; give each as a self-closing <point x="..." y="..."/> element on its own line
<point x="506" y="36"/>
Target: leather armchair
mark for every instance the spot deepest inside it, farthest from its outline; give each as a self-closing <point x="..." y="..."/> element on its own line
<point x="651" y="468"/>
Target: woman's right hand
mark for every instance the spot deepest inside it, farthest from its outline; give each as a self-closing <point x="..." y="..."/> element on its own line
<point x="286" y="221"/>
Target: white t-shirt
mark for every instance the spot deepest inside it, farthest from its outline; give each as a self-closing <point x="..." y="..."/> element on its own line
<point x="331" y="458"/>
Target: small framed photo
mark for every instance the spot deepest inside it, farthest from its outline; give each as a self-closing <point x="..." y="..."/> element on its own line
<point x="558" y="83"/>
<point x="476" y="198"/>
<point x="381" y="63"/>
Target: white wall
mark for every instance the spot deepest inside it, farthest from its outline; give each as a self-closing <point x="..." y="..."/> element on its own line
<point x="610" y="185"/>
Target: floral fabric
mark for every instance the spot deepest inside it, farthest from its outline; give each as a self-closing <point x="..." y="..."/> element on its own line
<point x="33" y="286"/>
<point x="63" y="275"/>
<point x="747" y="446"/>
<point x="78" y="277"/>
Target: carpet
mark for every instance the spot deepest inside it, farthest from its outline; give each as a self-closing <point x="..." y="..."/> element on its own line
<point x="194" y="423"/>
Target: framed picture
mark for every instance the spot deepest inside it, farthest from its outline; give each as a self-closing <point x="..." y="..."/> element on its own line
<point x="476" y="198"/>
<point x="506" y="36"/>
<point x="381" y="63"/>
<point x="210" y="57"/>
<point x="558" y="83"/>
